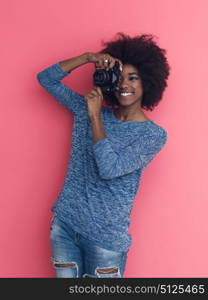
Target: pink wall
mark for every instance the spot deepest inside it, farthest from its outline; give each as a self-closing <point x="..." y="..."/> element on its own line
<point x="169" y="218"/>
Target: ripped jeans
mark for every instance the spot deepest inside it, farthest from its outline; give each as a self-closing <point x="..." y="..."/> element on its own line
<point x="75" y="256"/>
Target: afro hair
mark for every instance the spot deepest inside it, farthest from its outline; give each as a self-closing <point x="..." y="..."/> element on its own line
<point x="150" y="61"/>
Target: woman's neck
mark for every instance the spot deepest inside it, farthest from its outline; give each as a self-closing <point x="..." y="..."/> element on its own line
<point x="127" y="115"/>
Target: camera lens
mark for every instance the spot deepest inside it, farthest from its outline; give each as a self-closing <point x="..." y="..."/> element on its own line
<point x="101" y="77"/>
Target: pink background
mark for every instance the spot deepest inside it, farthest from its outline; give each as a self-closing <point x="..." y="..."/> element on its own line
<point x="169" y="218"/>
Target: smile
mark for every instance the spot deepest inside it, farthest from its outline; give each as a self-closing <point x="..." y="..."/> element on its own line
<point x="126" y="94"/>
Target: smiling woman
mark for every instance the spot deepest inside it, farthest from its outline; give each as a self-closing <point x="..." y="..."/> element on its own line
<point x="145" y="57"/>
<point x="89" y="230"/>
<point x="129" y="95"/>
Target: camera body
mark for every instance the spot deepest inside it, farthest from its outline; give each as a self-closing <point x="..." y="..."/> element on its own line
<point x="108" y="80"/>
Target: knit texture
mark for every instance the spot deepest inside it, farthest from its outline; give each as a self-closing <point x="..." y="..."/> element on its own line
<point x="102" y="178"/>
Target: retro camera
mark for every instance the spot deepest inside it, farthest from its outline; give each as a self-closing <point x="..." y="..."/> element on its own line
<point x="108" y="80"/>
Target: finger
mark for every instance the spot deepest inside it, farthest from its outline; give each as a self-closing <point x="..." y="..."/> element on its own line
<point x="94" y="93"/>
<point x="100" y="62"/>
<point x="121" y="64"/>
<point x="112" y="63"/>
<point x="116" y="60"/>
<point x="105" y="64"/>
<point x="89" y="97"/>
<point x="94" y="89"/>
<point x="109" y="65"/>
<point x="106" y="60"/>
<point x="99" y="90"/>
<point x="97" y="65"/>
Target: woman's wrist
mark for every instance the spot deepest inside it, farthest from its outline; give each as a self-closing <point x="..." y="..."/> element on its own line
<point x="86" y="57"/>
<point x="90" y="57"/>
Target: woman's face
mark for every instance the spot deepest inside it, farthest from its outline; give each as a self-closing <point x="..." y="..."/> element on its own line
<point x="130" y="86"/>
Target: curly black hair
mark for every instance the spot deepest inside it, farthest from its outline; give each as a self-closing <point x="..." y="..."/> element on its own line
<point x="149" y="59"/>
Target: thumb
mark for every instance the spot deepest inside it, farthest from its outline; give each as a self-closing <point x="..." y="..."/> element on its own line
<point x="99" y="91"/>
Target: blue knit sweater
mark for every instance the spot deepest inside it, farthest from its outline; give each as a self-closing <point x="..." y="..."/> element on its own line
<point x="102" y="178"/>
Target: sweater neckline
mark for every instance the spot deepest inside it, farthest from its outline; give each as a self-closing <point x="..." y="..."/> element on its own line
<point x="120" y="121"/>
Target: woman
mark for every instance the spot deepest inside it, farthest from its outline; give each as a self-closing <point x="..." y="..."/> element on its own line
<point x="111" y="146"/>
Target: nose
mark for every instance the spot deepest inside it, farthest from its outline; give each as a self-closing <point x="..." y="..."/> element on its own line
<point x="123" y="83"/>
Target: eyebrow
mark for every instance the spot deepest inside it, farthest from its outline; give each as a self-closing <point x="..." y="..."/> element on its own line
<point x="133" y="73"/>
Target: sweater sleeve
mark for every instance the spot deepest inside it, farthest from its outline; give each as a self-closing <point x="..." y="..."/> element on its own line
<point x="49" y="79"/>
<point x="112" y="164"/>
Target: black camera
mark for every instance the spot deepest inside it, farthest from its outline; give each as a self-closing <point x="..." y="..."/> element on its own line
<point x="108" y="80"/>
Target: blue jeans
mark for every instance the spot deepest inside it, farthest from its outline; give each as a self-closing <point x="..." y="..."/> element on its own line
<point x="75" y="256"/>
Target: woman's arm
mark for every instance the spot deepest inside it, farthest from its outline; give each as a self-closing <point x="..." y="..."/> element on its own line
<point x="99" y="59"/>
<point x="74" y="62"/>
<point x="112" y="164"/>
<point x="50" y="79"/>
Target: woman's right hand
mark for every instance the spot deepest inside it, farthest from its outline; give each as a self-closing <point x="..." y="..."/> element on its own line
<point x="99" y="59"/>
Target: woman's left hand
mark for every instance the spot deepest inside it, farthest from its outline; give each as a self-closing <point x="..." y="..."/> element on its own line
<point x="94" y="101"/>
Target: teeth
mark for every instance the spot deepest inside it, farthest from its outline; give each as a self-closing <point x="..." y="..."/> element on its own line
<point x="126" y="94"/>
